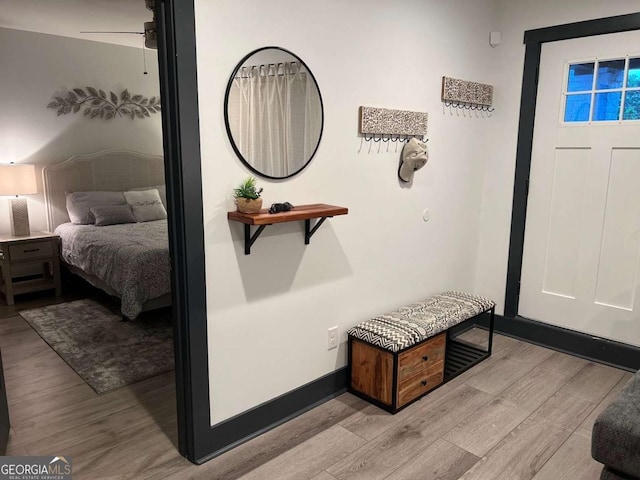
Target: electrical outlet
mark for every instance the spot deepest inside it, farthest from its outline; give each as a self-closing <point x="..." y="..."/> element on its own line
<point x="332" y="338"/>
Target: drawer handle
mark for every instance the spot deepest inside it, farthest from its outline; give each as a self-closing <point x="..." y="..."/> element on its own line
<point x="32" y="250"/>
<point x="425" y="358"/>
<point x="423" y="383"/>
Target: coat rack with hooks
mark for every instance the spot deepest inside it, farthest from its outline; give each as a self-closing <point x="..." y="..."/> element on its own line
<point x="467" y="95"/>
<point x="384" y="126"/>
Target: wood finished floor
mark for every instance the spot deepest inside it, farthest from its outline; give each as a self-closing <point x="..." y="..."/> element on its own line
<point x="524" y="414"/>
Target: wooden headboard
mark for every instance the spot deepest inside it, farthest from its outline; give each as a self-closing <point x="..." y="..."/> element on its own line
<point x="108" y="170"/>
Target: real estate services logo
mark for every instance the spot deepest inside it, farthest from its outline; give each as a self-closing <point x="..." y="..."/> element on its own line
<point x="35" y="468"/>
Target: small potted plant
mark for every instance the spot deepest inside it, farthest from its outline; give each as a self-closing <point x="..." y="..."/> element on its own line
<point x="248" y="197"/>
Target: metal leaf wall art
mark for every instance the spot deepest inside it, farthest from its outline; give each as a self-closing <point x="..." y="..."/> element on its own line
<point x="95" y="103"/>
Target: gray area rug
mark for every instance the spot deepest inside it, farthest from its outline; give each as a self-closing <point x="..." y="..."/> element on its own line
<point x="104" y="350"/>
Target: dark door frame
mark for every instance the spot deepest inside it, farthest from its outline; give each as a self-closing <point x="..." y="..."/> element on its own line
<point x="181" y="136"/>
<point x="533" y="40"/>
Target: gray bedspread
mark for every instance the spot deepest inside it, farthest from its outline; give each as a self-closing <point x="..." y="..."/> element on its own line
<point x="131" y="260"/>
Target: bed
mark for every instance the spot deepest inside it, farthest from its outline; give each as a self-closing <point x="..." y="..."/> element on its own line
<point x="127" y="260"/>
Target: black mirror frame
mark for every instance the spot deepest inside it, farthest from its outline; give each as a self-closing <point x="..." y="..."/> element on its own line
<point x="226" y="114"/>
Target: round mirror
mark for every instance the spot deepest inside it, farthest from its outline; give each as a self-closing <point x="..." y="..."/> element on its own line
<point x="273" y="112"/>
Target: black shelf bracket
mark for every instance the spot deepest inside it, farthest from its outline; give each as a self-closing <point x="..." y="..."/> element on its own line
<point x="250" y="239"/>
<point x="308" y="231"/>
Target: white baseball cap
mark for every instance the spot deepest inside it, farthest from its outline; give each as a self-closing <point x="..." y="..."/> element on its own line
<point x="414" y="157"/>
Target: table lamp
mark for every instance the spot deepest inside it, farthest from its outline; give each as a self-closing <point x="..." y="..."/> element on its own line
<point x="18" y="179"/>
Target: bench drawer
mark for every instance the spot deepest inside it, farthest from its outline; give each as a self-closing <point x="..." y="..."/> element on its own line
<point x="28" y="250"/>
<point x="419" y="384"/>
<point x="421" y="357"/>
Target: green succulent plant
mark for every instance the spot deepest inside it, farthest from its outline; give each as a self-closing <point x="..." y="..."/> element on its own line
<point x="247" y="189"/>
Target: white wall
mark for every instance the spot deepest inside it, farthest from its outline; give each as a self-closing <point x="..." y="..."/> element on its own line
<point x="34" y="67"/>
<point x="514" y="17"/>
<point x="269" y="312"/>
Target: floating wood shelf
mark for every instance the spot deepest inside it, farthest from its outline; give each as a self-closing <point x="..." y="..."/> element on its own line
<point x="300" y="212"/>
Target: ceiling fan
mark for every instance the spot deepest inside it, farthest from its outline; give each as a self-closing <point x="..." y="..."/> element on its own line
<point x="150" y="36"/>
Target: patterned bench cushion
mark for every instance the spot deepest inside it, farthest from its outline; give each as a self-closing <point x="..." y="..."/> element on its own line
<point x="416" y="322"/>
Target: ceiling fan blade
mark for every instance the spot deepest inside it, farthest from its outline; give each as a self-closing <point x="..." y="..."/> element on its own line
<point x="132" y="33"/>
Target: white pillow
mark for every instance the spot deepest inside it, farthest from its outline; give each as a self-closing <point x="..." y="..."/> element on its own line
<point x="79" y="204"/>
<point x="146" y="205"/>
<point x="162" y="191"/>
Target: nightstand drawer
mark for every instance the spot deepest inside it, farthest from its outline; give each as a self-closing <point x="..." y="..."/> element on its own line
<point x="25" y="251"/>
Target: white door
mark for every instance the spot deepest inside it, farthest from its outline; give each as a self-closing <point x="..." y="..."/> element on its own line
<point x="582" y="239"/>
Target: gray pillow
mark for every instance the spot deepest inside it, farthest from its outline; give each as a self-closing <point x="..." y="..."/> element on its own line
<point x="146" y="205"/>
<point x="79" y="204"/>
<point x="113" y="215"/>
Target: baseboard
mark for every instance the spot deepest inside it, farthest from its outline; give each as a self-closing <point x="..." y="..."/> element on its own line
<point x="247" y="425"/>
<point x="589" y="347"/>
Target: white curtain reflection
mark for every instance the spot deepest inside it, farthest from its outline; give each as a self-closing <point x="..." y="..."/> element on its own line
<point x="275" y="117"/>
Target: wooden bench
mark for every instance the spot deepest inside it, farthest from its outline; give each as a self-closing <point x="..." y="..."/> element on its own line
<point x="396" y="358"/>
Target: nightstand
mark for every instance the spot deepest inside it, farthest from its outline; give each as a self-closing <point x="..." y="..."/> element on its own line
<point x="40" y="251"/>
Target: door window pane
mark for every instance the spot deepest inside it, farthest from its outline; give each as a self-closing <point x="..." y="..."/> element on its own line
<point x="607" y="106"/>
<point x="577" y="108"/>
<point x="603" y="90"/>
<point x="580" y="77"/>
<point x="632" y="105"/>
<point x="633" y="80"/>
<point x="610" y="74"/>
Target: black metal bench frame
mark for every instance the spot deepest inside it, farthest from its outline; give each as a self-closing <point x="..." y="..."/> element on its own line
<point x="460" y="356"/>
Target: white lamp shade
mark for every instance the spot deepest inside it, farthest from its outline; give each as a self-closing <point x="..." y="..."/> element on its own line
<point x="18" y="179"/>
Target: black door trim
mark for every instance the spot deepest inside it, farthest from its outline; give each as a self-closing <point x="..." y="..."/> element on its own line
<point x="533" y="40"/>
<point x="181" y="135"/>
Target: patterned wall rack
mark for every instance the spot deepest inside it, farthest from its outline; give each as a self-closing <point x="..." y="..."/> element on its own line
<point x="403" y="124"/>
<point x="458" y="93"/>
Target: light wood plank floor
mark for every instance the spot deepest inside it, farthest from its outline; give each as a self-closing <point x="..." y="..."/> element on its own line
<point x="524" y="414"/>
